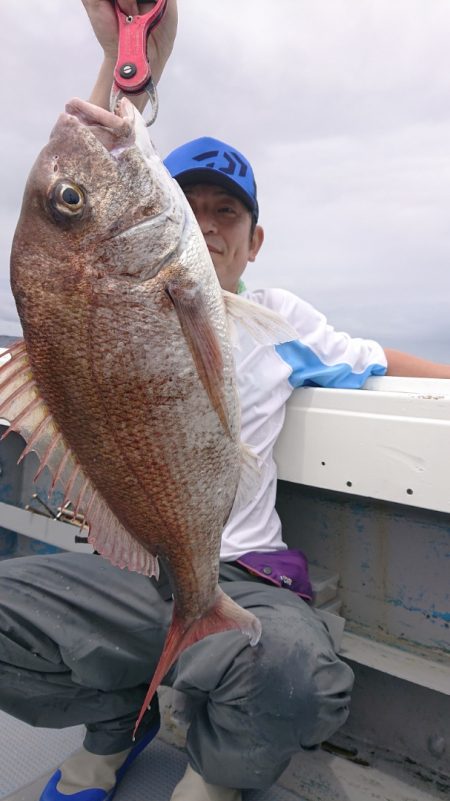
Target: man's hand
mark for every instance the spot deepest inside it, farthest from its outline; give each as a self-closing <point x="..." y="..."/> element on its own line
<point x="160" y="42"/>
<point x="104" y="23"/>
<point x="405" y="364"/>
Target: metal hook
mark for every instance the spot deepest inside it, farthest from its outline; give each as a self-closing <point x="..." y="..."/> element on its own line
<point x="154" y="102"/>
<point x="150" y="89"/>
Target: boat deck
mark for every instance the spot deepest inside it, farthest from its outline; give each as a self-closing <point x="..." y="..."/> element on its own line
<point x="366" y="497"/>
<point x="27" y="753"/>
<point x="29" y="756"/>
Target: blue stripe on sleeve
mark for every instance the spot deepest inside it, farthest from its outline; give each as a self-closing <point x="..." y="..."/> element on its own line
<point x="309" y="371"/>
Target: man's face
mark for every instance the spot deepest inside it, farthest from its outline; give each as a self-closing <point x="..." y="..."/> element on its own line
<point x="225" y="222"/>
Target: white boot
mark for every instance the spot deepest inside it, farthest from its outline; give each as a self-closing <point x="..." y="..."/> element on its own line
<point x="193" y="788"/>
<point x="84" y="770"/>
<point x="90" y="776"/>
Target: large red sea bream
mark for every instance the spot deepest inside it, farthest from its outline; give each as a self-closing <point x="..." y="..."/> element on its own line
<point x="124" y="383"/>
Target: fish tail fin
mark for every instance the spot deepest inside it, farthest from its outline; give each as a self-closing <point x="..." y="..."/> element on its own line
<point x="224" y="615"/>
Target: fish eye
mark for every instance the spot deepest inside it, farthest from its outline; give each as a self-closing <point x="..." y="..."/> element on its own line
<point x="67" y="198"/>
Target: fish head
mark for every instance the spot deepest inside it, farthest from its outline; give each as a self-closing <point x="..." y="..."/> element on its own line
<point x="99" y="204"/>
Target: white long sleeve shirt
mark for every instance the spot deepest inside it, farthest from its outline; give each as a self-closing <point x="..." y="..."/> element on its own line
<point x="266" y="376"/>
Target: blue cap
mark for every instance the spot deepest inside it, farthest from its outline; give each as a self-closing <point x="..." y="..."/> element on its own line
<point x="207" y="160"/>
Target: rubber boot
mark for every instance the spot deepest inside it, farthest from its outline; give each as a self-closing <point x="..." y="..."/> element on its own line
<point x="92" y="777"/>
<point x="193" y="788"/>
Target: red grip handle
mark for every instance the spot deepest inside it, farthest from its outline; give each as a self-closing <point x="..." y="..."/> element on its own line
<point x="132" y="71"/>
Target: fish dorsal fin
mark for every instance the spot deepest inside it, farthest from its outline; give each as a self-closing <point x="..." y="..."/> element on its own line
<point x="264" y="325"/>
<point x="202" y="340"/>
<point x="27" y="413"/>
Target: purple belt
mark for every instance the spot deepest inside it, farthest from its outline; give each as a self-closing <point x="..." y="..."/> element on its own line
<point x="288" y="569"/>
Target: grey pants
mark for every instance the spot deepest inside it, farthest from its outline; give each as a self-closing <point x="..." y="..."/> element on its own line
<point x="80" y="639"/>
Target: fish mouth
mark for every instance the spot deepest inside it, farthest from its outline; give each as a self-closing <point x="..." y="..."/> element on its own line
<point x="143" y="238"/>
<point x="119" y="123"/>
<point x="116" y="130"/>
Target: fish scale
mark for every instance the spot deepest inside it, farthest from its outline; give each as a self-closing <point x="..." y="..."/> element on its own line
<point x="126" y="338"/>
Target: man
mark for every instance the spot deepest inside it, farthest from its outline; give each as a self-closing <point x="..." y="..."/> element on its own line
<point x="255" y="707"/>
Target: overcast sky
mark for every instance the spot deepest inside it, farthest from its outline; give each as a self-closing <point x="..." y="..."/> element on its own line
<point x="343" y="107"/>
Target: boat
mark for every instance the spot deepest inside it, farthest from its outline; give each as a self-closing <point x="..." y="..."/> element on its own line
<point x="364" y="491"/>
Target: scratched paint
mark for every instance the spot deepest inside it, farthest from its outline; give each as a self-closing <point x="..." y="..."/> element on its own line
<point x="392" y="561"/>
<point x="433" y="613"/>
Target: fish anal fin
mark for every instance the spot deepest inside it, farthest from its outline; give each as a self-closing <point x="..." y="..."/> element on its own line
<point x="223" y="615"/>
<point x="114" y="542"/>
<point x="202" y="340"/>
<point x="250" y="477"/>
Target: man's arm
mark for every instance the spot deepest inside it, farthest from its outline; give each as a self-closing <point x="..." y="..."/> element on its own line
<point x="104" y="23"/>
<point x="403" y="364"/>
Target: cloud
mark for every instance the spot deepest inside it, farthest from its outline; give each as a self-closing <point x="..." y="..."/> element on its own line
<point x="342" y="107"/>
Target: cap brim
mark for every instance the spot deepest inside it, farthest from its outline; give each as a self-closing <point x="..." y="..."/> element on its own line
<point x="203" y="175"/>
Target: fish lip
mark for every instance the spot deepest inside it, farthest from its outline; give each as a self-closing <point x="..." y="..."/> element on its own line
<point x="119" y="123"/>
<point x="114" y="139"/>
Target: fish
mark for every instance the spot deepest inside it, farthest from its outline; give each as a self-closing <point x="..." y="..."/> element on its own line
<point x="124" y="382"/>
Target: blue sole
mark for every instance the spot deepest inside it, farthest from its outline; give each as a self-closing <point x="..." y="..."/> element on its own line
<point x="50" y="793"/>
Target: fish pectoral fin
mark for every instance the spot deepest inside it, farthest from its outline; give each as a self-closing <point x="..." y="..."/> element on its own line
<point x="264" y="325"/>
<point x="224" y="615"/>
<point x="190" y="306"/>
